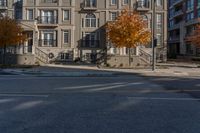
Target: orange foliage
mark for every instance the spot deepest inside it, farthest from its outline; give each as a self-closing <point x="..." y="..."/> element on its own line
<point x="11" y="32"/>
<point x="194" y="38"/>
<point x="129" y="30"/>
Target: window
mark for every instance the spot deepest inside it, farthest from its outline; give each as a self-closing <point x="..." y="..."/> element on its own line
<point x="3" y="3"/>
<point x="64" y="56"/>
<point x="190" y="4"/>
<point x="90" y="3"/>
<point x="190" y="16"/>
<point x="90" y="20"/>
<point x="125" y="2"/>
<point x="198" y="3"/>
<point x="198" y="12"/>
<point x="145" y="19"/>
<point x="30" y="14"/>
<point x="159" y="39"/>
<point x="50" y="1"/>
<point x="113" y="2"/>
<point x="159" y="21"/>
<point x="66" y="15"/>
<point x="66" y="36"/>
<point x="47" y="38"/>
<point x="159" y="2"/>
<point x="143" y="3"/>
<point x="48" y="17"/>
<point x="113" y="15"/>
<point x="91" y="39"/>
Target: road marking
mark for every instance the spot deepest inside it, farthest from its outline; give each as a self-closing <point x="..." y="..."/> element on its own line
<point x="165" y="98"/>
<point x="22" y="95"/>
<point x="89" y="86"/>
<point x="113" y="87"/>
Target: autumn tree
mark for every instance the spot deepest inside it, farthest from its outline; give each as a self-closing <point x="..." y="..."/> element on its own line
<point x="11" y="33"/>
<point x="128" y="30"/>
<point x="194" y="37"/>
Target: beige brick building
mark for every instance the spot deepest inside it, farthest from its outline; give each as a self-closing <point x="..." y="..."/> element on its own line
<point x="64" y="30"/>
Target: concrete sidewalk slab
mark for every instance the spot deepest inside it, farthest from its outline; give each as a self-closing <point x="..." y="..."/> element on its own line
<point x="170" y="71"/>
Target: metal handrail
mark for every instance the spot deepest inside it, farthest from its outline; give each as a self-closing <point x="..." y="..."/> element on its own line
<point x="48" y="20"/>
<point x="145" y="55"/>
<point x="47" y="43"/>
<point x="44" y="57"/>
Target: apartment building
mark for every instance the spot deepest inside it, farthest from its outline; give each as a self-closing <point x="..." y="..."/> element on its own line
<point x="50" y="27"/>
<point x="66" y="30"/>
<point x="183" y="15"/>
<point x="93" y="14"/>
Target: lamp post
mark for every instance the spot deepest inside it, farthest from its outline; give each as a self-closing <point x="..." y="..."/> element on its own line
<point x="154" y="40"/>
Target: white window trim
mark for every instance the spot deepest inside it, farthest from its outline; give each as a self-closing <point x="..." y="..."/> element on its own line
<point x="123" y="2"/>
<point x="63" y="12"/>
<point x="112" y="3"/>
<point x="63" y="32"/>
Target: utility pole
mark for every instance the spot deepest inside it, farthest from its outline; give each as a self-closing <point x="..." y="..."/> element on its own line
<point x="154" y="40"/>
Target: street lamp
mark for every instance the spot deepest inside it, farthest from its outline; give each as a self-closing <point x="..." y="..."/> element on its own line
<point x="154" y="39"/>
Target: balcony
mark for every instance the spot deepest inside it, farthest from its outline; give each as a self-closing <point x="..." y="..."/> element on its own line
<point x="143" y="5"/>
<point x="49" y="2"/>
<point x="177" y="2"/>
<point x="89" y="5"/>
<point x="48" y="20"/>
<point x="90" y="44"/>
<point x="178" y="13"/>
<point x="47" y="43"/>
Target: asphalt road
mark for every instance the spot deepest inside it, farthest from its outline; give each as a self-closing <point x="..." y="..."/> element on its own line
<point x="117" y="104"/>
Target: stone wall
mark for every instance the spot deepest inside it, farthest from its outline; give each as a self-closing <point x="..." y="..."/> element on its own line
<point x="123" y="61"/>
<point x="26" y="59"/>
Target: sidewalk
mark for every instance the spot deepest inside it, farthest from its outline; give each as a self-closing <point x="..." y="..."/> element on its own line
<point x="50" y="70"/>
<point x="180" y="64"/>
<point x="175" y="70"/>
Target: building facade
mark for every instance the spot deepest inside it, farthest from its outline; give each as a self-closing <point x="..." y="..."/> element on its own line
<point x="67" y="30"/>
<point x="183" y="16"/>
<point x="6" y="8"/>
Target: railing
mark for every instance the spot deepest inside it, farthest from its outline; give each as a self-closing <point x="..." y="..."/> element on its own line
<point x="177" y="2"/>
<point x="177" y="13"/>
<point x="90" y="44"/>
<point x="89" y="4"/>
<point x="47" y="43"/>
<point x="42" y="56"/>
<point x="47" y="20"/>
<point x="49" y="1"/>
<point x="145" y="56"/>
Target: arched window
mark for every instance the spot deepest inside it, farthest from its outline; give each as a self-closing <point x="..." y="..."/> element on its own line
<point x="90" y="20"/>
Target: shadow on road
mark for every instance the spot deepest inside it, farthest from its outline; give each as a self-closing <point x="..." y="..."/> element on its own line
<point x="188" y="85"/>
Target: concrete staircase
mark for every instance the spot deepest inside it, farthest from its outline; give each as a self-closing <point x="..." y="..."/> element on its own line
<point x="41" y="56"/>
<point x="145" y="55"/>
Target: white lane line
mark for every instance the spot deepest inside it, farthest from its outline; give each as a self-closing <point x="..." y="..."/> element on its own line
<point x="89" y="86"/>
<point x="165" y="98"/>
<point x="113" y="87"/>
<point x="22" y="95"/>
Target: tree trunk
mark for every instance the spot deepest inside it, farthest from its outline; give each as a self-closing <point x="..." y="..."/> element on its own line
<point x="4" y="54"/>
<point x="129" y="56"/>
